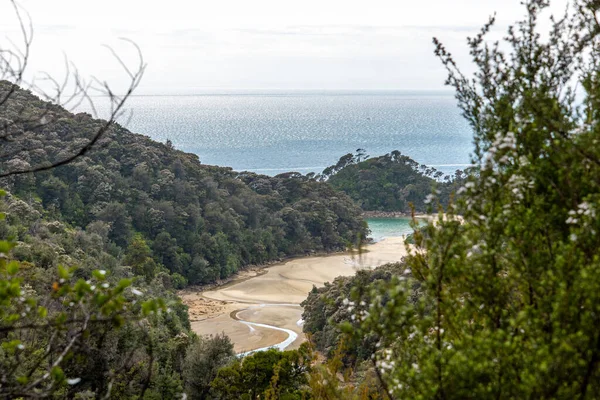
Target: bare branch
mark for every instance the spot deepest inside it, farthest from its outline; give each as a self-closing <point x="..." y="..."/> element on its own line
<point x="81" y="93"/>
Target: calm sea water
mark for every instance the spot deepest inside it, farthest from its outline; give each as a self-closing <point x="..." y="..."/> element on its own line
<point x="275" y="132"/>
<point x="388" y="227"/>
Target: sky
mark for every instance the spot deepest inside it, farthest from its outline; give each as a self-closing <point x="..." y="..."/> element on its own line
<point x="200" y="46"/>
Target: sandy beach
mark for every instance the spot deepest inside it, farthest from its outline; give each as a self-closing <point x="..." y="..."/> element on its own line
<point x="273" y="296"/>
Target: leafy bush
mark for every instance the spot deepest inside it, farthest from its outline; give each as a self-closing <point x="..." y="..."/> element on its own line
<point x="391" y="182"/>
<point x="200" y="222"/>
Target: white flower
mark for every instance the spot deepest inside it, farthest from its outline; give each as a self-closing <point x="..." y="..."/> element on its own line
<point x="573" y="237"/>
<point x="136" y="292"/>
<point x="586" y="209"/>
<point x="73" y="381"/>
<point x="102" y="272"/>
<point x="105" y="285"/>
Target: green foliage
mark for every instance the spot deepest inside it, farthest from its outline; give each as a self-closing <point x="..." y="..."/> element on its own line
<point x="203" y="360"/>
<point x="331" y="380"/>
<point x="390" y="183"/>
<point x="410" y="238"/>
<point x="45" y="336"/>
<point x="510" y="306"/>
<point x="274" y="374"/>
<point x="138" y="256"/>
<point x="81" y="332"/>
<point x="200" y="222"/>
<point x="329" y="312"/>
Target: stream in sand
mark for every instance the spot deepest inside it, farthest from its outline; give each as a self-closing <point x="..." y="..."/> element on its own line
<point x="262" y="309"/>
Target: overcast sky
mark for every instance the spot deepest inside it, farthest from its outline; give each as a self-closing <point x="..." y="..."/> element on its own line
<point x="198" y="46"/>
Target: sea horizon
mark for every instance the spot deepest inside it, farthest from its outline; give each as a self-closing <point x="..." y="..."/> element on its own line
<point x="272" y="131"/>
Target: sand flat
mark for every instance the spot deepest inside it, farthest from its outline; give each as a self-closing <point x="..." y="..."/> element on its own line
<point x="269" y="298"/>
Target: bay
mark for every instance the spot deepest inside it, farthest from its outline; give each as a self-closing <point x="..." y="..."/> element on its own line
<point x="382" y="228"/>
<point x="271" y="132"/>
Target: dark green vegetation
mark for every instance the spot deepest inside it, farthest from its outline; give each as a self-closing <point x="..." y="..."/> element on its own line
<point x="91" y="331"/>
<point x="499" y="298"/>
<point x="203" y="362"/>
<point x="93" y="250"/>
<point x="327" y="308"/>
<point x="158" y="209"/>
<point x="510" y="276"/>
<point x="270" y="374"/>
<point x="332" y="317"/>
<point x="391" y="182"/>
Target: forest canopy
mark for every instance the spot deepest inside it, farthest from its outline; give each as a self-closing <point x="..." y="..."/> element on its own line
<point x="392" y="182"/>
<point x="156" y="207"/>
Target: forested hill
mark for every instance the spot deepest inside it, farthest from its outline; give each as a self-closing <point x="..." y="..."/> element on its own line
<point x="156" y="207"/>
<point x="391" y="182"/>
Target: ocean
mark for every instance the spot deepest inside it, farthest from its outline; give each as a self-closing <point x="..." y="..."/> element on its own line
<point x="388" y="227"/>
<point x="274" y="132"/>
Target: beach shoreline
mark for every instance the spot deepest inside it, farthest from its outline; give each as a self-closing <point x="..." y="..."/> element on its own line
<point x="271" y="295"/>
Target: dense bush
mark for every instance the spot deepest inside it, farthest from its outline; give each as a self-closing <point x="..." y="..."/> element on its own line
<point x="270" y="374"/>
<point x="93" y="331"/>
<point x="328" y="309"/>
<point x="391" y="182"/>
<point x="510" y="305"/>
<point x="161" y="207"/>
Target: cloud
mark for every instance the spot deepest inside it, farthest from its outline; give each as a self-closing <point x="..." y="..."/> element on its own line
<point x="48" y="28"/>
<point x="352" y="30"/>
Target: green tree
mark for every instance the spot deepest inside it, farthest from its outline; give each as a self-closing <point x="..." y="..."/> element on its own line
<point x="280" y="373"/>
<point x="45" y="343"/>
<point x="511" y="288"/>
<point x="115" y="214"/>
<point x="203" y="360"/>
<point x="139" y="257"/>
<point x="391" y="182"/>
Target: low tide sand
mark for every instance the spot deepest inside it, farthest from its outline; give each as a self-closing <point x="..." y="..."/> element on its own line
<point x="273" y="297"/>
